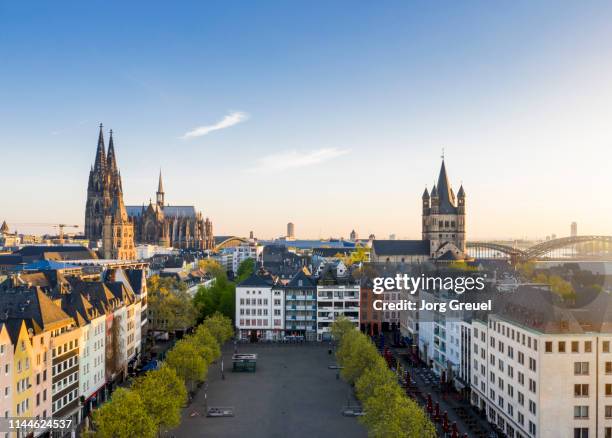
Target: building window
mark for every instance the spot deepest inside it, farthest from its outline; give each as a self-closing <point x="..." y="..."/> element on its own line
<point x="608" y="411"/>
<point x="605" y="346"/>
<point x="575" y="347"/>
<point x="587" y="346"/>
<point x="608" y="367"/>
<point x="581" y="432"/>
<point x="581" y="412"/>
<point x="561" y="346"/>
<point x="581" y="368"/>
<point x="581" y="390"/>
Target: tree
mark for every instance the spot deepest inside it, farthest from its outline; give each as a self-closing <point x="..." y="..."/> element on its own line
<point x="340" y="327"/>
<point x="377" y="376"/>
<point x="356" y="354"/>
<point x="212" y="267"/>
<point x="171" y="310"/>
<point x="206" y="343"/>
<point x="124" y="416"/>
<point x="220" y="327"/>
<point x="388" y="412"/>
<point x="187" y="361"/>
<point x="245" y="269"/>
<point x="163" y="394"/>
<point x="220" y="297"/>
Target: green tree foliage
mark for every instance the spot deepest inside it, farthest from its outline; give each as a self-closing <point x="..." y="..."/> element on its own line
<point x="220" y="297"/>
<point x="356" y="354"/>
<point x="245" y="269"/>
<point x="388" y="411"/>
<point x="212" y="267"/>
<point x="341" y="327"/>
<point x="170" y="306"/>
<point x="377" y="376"/>
<point x="187" y="360"/>
<point x="124" y="416"/>
<point x="220" y="327"/>
<point x="163" y="394"/>
<point x="206" y="343"/>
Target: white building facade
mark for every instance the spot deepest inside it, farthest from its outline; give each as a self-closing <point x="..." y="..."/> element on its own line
<point x="260" y="308"/>
<point x="533" y="383"/>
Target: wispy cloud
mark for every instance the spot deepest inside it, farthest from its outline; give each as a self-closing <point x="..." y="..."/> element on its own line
<point x="229" y="120"/>
<point x="293" y="159"/>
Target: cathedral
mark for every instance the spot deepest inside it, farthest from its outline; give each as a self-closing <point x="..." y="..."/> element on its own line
<point x="106" y="218"/>
<point x="444" y="218"/>
<point x="119" y="226"/>
<point x="179" y="226"/>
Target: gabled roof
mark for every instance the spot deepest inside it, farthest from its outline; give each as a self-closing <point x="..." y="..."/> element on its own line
<point x="34" y="307"/>
<point x="258" y="279"/>
<point x="400" y="247"/>
<point x="307" y="280"/>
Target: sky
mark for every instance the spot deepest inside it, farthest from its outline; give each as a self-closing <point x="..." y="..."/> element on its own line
<point x="331" y="115"/>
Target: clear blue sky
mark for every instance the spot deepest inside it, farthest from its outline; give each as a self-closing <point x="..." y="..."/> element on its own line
<point x="335" y="112"/>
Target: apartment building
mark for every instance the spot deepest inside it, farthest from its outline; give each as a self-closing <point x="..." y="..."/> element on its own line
<point x="544" y="370"/>
<point x="336" y="296"/>
<point x="260" y="308"/>
<point x="6" y="372"/>
<point x="301" y="306"/>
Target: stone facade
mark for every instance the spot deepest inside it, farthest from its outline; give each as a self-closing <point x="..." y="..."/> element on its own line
<point x="105" y="213"/>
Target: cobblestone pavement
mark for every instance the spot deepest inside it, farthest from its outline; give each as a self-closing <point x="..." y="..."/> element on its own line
<point x="292" y="394"/>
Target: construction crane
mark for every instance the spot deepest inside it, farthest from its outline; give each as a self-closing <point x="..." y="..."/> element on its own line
<point x="61" y="231"/>
<point x="60" y="227"/>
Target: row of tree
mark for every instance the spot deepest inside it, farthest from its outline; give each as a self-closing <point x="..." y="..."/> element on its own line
<point x="154" y="402"/>
<point x="388" y="410"/>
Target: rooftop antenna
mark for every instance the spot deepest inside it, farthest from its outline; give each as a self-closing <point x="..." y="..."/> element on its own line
<point x="442" y="156"/>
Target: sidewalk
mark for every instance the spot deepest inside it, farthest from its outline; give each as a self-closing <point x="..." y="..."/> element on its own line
<point x="458" y="410"/>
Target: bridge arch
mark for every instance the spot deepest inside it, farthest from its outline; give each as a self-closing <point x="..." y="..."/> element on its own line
<point x="228" y="242"/>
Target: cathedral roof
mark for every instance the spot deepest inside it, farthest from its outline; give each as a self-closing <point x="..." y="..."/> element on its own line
<point x="170" y="211"/>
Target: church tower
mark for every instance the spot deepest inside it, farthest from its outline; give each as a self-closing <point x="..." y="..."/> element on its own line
<point x="118" y="230"/>
<point x="98" y="193"/>
<point x="444" y="217"/>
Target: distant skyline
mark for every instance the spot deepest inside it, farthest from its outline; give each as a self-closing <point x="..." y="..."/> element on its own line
<point x="330" y="115"/>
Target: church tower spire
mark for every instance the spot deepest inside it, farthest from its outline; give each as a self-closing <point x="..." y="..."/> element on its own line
<point x="100" y="163"/>
<point x="111" y="161"/>
<point x="160" y="191"/>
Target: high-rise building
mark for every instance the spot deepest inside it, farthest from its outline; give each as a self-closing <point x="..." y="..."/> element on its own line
<point x="290" y="230"/>
<point x="574" y="229"/>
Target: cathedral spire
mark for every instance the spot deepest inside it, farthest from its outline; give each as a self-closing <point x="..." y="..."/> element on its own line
<point x="160" y="191"/>
<point x="111" y="161"/>
<point x="100" y="162"/>
<point x="160" y="186"/>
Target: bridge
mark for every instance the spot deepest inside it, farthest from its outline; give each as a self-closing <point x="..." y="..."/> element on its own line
<point x="566" y="248"/>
